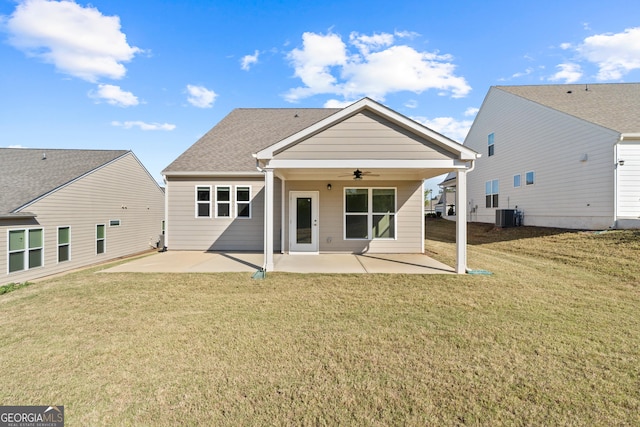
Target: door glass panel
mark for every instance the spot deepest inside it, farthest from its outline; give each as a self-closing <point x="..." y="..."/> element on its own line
<point x="303" y="220"/>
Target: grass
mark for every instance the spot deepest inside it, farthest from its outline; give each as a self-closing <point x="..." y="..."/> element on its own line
<point x="551" y="338"/>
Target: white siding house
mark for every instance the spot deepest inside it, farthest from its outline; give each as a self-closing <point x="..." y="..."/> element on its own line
<point x="65" y="209"/>
<point x="566" y="155"/>
<point x="313" y="180"/>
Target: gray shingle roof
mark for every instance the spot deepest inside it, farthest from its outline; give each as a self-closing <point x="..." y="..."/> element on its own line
<point x="615" y="106"/>
<point x="229" y="146"/>
<point x="25" y="175"/>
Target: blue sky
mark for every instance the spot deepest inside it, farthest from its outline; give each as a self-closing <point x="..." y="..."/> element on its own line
<point x="154" y="76"/>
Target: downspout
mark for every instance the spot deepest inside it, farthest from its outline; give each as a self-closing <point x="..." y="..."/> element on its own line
<point x="264" y="227"/>
<point x="615" y="181"/>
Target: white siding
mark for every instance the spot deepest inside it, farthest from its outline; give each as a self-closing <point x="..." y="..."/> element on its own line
<point x="408" y="226"/>
<point x="122" y="190"/>
<point x="629" y="180"/>
<point x="186" y="232"/>
<point x="367" y="136"/>
<point x="569" y="191"/>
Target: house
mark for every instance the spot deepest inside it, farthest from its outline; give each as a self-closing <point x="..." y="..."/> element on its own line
<point x="65" y="209"/>
<point x="307" y="181"/>
<point x="568" y="156"/>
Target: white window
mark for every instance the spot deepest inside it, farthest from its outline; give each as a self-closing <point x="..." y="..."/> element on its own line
<point x="490" y="144"/>
<point x="243" y="201"/>
<point x="516" y="180"/>
<point x="25" y="249"/>
<point x="223" y="201"/>
<point x="101" y="239"/>
<point x="114" y="223"/>
<point x="203" y="201"/>
<point x="530" y="178"/>
<point x="369" y="213"/>
<point x="492" y="188"/>
<point x="64" y="244"/>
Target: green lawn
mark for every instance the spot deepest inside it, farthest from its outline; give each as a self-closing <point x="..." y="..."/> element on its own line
<point x="551" y="338"/>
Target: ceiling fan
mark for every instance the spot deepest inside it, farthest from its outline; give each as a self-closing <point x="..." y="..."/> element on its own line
<point x="358" y="174"/>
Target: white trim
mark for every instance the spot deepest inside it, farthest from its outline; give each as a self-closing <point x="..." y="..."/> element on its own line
<point x="367" y="163"/>
<point x="236" y="202"/>
<point x="25" y="250"/>
<point x="314" y="246"/>
<point x="104" y="239"/>
<point x="370" y="213"/>
<point x="209" y="174"/>
<point x="268" y="220"/>
<point x="198" y="202"/>
<point x="227" y="202"/>
<point x="64" y="244"/>
<point x="461" y="222"/>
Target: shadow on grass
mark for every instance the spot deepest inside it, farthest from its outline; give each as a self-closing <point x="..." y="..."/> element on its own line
<point x="443" y="230"/>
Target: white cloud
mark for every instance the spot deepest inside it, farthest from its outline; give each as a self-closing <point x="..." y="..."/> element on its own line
<point x="447" y="126"/>
<point x="614" y="54"/>
<point x="79" y="41"/>
<point x="114" y="95"/>
<point x="471" y="111"/>
<point x="412" y="103"/>
<point x="335" y="103"/>
<point x="144" y="126"/>
<point x="371" y="66"/>
<point x="568" y="73"/>
<point x="248" y="60"/>
<point x="200" y="96"/>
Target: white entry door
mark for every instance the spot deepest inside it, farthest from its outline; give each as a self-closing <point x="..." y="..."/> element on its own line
<point x="303" y="221"/>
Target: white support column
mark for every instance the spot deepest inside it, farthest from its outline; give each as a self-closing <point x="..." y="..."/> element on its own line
<point x="268" y="219"/>
<point x="461" y="221"/>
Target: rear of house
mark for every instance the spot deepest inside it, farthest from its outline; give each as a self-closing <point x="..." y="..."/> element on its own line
<point x="72" y="208"/>
<point x="564" y="155"/>
<point x="308" y="181"/>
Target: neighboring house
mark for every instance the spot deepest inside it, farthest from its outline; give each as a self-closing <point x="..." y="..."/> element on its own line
<point x="566" y="155"/>
<point x="309" y="181"/>
<point x="64" y="209"/>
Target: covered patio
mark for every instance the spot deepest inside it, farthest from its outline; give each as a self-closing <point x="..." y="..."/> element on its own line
<point x="250" y="262"/>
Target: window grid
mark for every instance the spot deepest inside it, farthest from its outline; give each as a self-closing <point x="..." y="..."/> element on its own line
<point x="370" y="213"/>
<point x="490" y="144"/>
<point x="64" y="244"/>
<point x="25" y="249"/>
<point x="243" y="201"/>
<point x="223" y="201"/>
<point x="203" y="201"/>
<point x="492" y="189"/>
<point x="101" y="239"/>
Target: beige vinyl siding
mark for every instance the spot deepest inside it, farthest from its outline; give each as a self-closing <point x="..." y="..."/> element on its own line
<point x="121" y="190"/>
<point x="365" y="135"/>
<point x="629" y="180"/>
<point x="409" y="204"/>
<point x="568" y="192"/>
<point x="186" y="232"/>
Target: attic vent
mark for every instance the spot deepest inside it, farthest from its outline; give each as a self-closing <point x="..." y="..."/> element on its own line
<point x="44" y="156"/>
<point x="569" y="91"/>
<point x="296" y="116"/>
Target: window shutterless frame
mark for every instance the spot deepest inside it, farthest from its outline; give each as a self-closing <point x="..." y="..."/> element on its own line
<point x="203" y="201"/>
<point x="223" y="201"/>
<point x="25" y="249"/>
<point x="370" y="213"/>
<point x="243" y="201"/>
<point x="101" y="239"/>
<point x="64" y="244"/>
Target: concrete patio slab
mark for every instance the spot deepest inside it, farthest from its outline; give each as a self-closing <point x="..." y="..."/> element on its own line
<point x="223" y="262"/>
